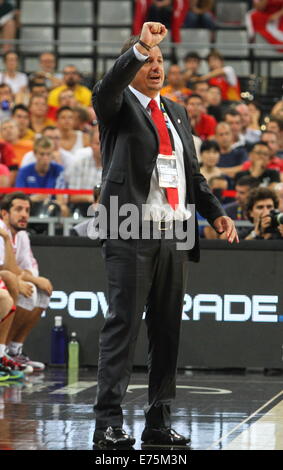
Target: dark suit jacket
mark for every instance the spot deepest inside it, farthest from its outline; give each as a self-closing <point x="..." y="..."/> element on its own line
<point x="130" y="143"/>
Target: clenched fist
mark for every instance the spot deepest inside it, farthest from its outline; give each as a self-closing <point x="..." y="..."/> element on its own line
<point x="153" y="33"/>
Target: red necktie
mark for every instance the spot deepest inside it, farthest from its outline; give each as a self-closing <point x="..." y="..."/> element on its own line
<point x="165" y="147"/>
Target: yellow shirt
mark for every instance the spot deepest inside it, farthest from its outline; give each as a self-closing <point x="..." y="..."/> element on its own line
<point x="29" y="135"/>
<point x="82" y="95"/>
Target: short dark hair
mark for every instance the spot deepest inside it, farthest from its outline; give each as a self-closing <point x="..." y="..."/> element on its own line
<point x="5" y="55"/>
<point x="22" y="107"/>
<point x="231" y="112"/>
<point x="253" y="146"/>
<point x="194" y="95"/>
<point x="215" y="53"/>
<point x="259" y="194"/>
<point x="63" y="108"/>
<point x="209" y="145"/>
<point x="192" y="55"/>
<point x="8" y="199"/>
<point x="247" y="181"/>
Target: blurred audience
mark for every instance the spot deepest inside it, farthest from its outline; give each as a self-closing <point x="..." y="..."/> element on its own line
<point x="203" y="125"/>
<point x="71" y="81"/>
<point x="233" y="118"/>
<point x="71" y="139"/>
<point x="20" y="114"/>
<point x="275" y="125"/>
<point x="214" y="103"/>
<point x="6" y="101"/>
<point x="175" y="89"/>
<point x="8" y="23"/>
<point x="200" y="15"/>
<point x="250" y="135"/>
<point x="10" y="133"/>
<point x="259" y="157"/>
<point x="231" y="159"/>
<point x="210" y="154"/>
<point x="38" y="109"/>
<point x="192" y="62"/>
<point x="161" y="11"/>
<point x="17" y="81"/>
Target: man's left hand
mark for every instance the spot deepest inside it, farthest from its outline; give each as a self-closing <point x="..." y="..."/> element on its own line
<point x="224" y="225"/>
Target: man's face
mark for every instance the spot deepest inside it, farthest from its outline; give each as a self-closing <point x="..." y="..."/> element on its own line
<point x="43" y="158"/>
<point x="195" y="107"/>
<point x="214" y="96"/>
<point x="245" y="115"/>
<point x="214" y="63"/>
<point x="260" y="153"/>
<point x="11" y="61"/>
<point x="47" y="62"/>
<point x="66" y="120"/>
<point x="40" y="90"/>
<point x="201" y="89"/>
<point x="71" y="76"/>
<point x="18" y="215"/>
<point x="22" y="118"/>
<point x="149" y="79"/>
<point x="67" y="98"/>
<point x="10" y="131"/>
<point x="55" y="136"/>
<point x="192" y="65"/>
<point x="242" y="193"/>
<point x="271" y="140"/>
<point x="261" y="209"/>
<point x="174" y="76"/>
<point x="273" y="127"/>
<point x="38" y="106"/>
<point x="223" y="135"/>
<point x="235" y="124"/>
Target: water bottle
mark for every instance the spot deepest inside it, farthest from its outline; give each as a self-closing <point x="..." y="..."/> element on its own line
<point x="73" y="349"/>
<point x="58" y="342"/>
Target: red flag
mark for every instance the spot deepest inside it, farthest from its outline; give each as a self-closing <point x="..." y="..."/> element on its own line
<point x="141" y="9"/>
<point x="180" y="9"/>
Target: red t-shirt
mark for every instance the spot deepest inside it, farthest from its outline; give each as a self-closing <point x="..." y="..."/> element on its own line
<point x="275" y="163"/>
<point x="206" y="126"/>
<point x="8" y="156"/>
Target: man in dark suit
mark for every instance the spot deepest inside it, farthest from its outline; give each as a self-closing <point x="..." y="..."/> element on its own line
<point x="145" y="273"/>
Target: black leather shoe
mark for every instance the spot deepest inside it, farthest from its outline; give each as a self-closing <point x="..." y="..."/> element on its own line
<point x="113" y="437"/>
<point x="163" y="436"/>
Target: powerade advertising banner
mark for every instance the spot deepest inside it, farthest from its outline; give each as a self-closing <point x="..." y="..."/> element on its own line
<point x="232" y="314"/>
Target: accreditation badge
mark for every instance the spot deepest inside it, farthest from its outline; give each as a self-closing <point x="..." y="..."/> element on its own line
<point x="167" y="170"/>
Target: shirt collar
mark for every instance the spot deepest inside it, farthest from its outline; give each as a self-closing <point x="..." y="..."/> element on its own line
<point x="143" y="99"/>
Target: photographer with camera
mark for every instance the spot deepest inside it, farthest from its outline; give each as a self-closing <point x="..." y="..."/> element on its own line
<point x="262" y="205"/>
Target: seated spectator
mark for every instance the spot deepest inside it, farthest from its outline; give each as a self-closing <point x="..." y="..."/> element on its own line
<point x="266" y="19"/>
<point x="275" y="163"/>
<point x="260" y="203"/>
<point x="45" y="173"/>
<point x="202" y="124"/>
<point x="5" y="176"/>
<point x="59" y="155"/>
<point x="233" y="118"/>
<point x="161" y="11"/>
<point x="47" y="70"/>
<point x="223" y="76"/>
<point x="255" y="113"/>
<point x="20" y="114"/>
<point x="18" y="81"/>
<point x="36" y="87"/>
<point x="259" y="157"/>
<point x="275" y="125"/>
<point x="8" y="158"/>
<point x="81" y="119"/>
<point x="85" y="172"/>
<point x="6" y="101"/>
<point x="34" y="291"/>
<point x="85" y="228"/>
<point x="175" y="89"/>
<point x="214" y="103"/>
<point x="201" y="89"/>
<point x="218" y="184"/>
<point x="250" y="135"/>
<point x="10" y="133"/>
<point x="200" y="15"/>
<point x="67" y="98"/>
<point x="71" y="140"/>
<point x="237" y="209"/>
<point x="8" y="23"/>
<point x="71" y="80"/>
<point x="192" y="62"/>
<point x="209" y="154"/>
<point x="38" y="109"/>
<point x="231" y="160"/>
